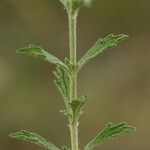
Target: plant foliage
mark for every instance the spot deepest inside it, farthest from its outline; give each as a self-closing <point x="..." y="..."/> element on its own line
<point x="39" y="52"/>
<point x="76" y="106"/>
<point x="33" y="138"/>
<point x="109" y="133"/>
<point x="62" y="82"/>
<point x="77" y="4"/>
<point x="66" y="82"/>
<point x="101" y="45"/>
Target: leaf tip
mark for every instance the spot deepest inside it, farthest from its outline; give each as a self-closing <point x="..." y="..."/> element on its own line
<point x="123" y="36"/>
<point x="18" y="50"/>
<point x="132" y="128"/>
<point x="13" y="135"/>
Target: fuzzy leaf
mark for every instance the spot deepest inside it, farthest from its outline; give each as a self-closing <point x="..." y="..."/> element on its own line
<point x="65" y="148"/>
<point x="87" y="2"/>
<point x="63" y="84"/>
<point x="109" y="133"/>
<point x="76" y="4"/>
<point x="38" y="52"/>
<point x="77" y="105"/>
<point x="79" y="3"/>
<point x="33" y="138"/>
<point x="102" y="44"/>
<point x="65" y="3"/>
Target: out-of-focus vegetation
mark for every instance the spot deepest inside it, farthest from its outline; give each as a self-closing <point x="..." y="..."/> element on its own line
<point x="28" y="97"/>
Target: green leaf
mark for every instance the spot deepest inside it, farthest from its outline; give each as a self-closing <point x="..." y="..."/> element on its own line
<point x="63" y="84"/>
<point x="77" y="105"/>
<point x="102" y="44"/>
<point x="76" y="4"/>
<point x="109" y="133"/>
<point x="65" y="148"/>
<point x="87" y="2"/>
<point x="65" y="3"/>
<point x="38" y="52"/>
<point x="79" y="3"/>
<point x="33" y="138"/>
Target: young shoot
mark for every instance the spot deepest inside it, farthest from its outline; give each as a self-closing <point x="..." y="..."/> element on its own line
<point x="66" y="81"/>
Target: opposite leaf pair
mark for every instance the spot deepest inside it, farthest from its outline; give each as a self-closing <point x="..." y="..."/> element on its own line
<point x="110" y="132"/>
<point x="64" y="69"/>
<point x="99" y="47"/>
<point x="73" y="108"/>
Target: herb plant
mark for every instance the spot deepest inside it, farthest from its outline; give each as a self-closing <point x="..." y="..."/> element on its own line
<point x="66" y="82"/>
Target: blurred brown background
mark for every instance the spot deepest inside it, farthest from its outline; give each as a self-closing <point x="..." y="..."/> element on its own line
<point x="118" y="81"/>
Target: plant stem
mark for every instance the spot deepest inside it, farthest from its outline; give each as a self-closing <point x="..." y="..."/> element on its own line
<point x="72" y="33"/>
<point x="73" y="123"/>
<point x="73" y="53"/>
<point x="74" y="134"/>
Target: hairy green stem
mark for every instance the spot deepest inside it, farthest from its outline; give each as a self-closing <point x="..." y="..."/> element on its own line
<point x="73" y="52"/>
<point x="72" y="33"/>
<point x="74" y="134"/>
<point x="73" y="123"/>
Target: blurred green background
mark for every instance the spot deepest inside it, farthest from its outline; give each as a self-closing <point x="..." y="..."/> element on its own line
<point x="118" y="81"/>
